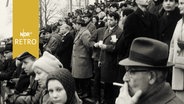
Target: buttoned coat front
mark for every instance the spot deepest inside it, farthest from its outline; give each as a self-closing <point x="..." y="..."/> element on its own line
<point x="108" y="56"/>
<point x="81" y="56"/>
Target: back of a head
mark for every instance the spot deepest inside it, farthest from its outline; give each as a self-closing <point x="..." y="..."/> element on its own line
<point x="115" y="5"/>
<point x="127" y="11"/>
<point x="47" y="63"/>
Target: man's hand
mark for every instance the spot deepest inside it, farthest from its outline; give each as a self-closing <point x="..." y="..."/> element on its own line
<point x="102" y="46"/>
<point x="125" y="98"/>
<point x="96" y="45"/>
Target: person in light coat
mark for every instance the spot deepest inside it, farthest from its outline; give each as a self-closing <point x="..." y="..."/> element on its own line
<point x="81" y="59"/>
<point x="178" y="74"/>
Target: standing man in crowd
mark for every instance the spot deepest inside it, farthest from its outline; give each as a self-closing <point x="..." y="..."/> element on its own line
<point x="146" y="72"/>
<point x="58" y="43"/>
<point x="168" y="19"/>
<point x="108" y="57"/>
<point x="64" y="49"/>
<point x="89" y="25"/>
<point x="81" y="59"/>
<point x="141" y="23"/>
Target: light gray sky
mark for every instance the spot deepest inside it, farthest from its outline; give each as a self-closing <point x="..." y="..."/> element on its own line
<point x="6" y="15"/>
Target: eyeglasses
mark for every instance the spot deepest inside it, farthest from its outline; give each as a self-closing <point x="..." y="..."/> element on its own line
<point x="130" y="71"/>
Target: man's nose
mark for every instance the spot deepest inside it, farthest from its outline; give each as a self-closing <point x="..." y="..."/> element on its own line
<point x="36" y="78"/>
<point x="126" y="77"/>
<point x="23" y="66"/>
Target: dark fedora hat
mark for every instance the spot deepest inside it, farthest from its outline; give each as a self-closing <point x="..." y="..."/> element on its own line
<point x="147" y="52"/>
<point x="24" y="56"/>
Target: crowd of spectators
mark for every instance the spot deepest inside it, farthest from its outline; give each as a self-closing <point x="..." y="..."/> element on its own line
<point x="80" y="53"/>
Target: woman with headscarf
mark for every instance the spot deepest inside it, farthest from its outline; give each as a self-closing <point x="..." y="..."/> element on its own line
<point x="61" y="87"/>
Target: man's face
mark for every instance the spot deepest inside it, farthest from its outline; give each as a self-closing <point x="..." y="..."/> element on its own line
<point x="112" y="22"/>
<point x="63" y="29"/>
<point x="86" y="19"/>
<point x="8" y="55"/>
<point x="137" y="80"/>
<point x="98" y="10"/>
<point x="143" y="2"/>
<point x="181" y="6"/>
<point x="45" y="36"/>
<point x="169" y="5"/>
<point x="77" y="26"/>
<point x="113" y="9"/>
<point x="27" y="64"/>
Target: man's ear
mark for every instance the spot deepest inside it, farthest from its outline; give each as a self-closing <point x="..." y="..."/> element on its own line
<point x="152" y="77"/>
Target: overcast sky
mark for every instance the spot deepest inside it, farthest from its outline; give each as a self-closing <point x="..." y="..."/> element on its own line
<point x="6" y="15"/>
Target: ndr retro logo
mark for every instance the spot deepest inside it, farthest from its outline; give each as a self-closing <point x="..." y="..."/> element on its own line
<point x="26" y="38"/>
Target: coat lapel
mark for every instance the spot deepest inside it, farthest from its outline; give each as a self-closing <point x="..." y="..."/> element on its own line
<point x="108" y="33"/>
<point x="79" y="33"/>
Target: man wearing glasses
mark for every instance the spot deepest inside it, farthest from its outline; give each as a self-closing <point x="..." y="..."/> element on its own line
<point x="146" y="72"/>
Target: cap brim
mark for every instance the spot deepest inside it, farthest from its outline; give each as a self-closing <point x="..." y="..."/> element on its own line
<point x="128" y="62"/>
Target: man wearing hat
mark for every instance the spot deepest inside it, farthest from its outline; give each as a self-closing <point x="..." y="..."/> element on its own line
<point x="29" y="95"/>
<point x="81" y="59"/>
<point x="89" y="25"/>
<point x="146" y="72"/>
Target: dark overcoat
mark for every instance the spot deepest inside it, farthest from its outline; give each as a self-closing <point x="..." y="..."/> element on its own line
<point x="108" y="56"/>
<point x="167" y="24"/>
<point x="139" y="24"/>
<point x="64" y="51"/>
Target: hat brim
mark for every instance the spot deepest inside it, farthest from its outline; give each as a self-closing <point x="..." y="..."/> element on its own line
<point x="128" y="62"/>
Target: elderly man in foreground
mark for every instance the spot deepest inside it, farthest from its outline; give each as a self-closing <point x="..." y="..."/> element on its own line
<point x="145" y="77"/>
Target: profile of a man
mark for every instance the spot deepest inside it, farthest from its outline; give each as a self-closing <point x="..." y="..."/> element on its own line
<point x="145" y="77"/>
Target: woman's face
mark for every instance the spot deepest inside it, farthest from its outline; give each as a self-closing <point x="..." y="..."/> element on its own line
<point x="41" y="77"/>
<point x="181" y="7"/>
<point x="57" y="92"/>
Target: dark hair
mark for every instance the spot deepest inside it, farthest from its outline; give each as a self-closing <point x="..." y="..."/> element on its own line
<point x="48" y="29"/>
<point x="81" y="22"/>
<point x="123" y="5"/>
<point x="165" y="0"/>
<point x="127" y="11"/>
<point x="115" y="15"/>
<point x="115" y="5"/>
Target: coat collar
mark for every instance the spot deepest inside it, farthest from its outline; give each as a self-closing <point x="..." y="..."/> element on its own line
<point x="88" y="25"/>
<point x="79" y="33"/>
<point x="108" y="32"/>
<point x="158" y="95"/>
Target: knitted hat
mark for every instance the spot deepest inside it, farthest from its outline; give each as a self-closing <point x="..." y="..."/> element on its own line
<point x="66" y="79"/>
<point x="47" y="63"/>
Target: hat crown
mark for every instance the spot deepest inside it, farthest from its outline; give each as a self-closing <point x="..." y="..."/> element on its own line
<point x="149" y="51"/>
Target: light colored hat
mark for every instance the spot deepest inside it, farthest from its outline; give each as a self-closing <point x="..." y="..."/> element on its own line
<point x="48" y="63"/>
